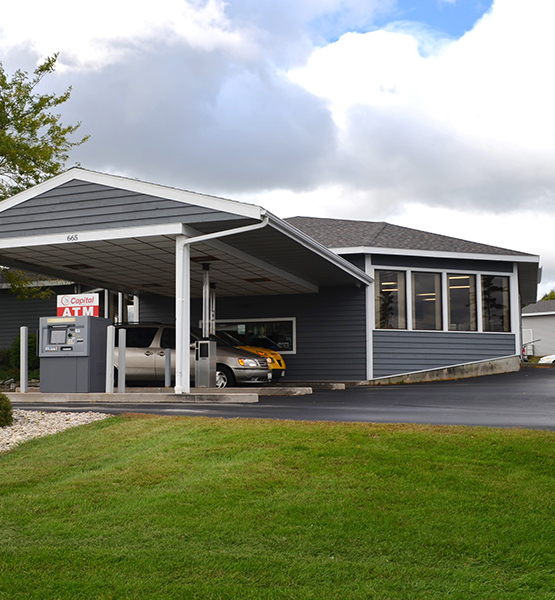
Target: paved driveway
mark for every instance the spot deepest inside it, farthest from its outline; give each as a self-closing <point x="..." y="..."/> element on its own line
<point x="523" y="399"/>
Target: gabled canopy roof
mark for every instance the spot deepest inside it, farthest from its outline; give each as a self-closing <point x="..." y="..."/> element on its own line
<point x="119" y="233"/>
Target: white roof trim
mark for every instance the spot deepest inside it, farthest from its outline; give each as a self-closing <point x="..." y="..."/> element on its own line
<point x="532" y="258"/>
<point x="133" y="185"/>
<point x="315" y="246"/>
<point x="76" y="236"/>
<point x="537" y="314"/>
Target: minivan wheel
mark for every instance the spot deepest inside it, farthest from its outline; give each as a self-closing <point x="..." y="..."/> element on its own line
<point x="224" y="377"/>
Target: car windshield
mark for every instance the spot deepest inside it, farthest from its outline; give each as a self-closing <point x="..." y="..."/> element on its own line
<point x="226" y="337"/>
<point x="196" y="334"/>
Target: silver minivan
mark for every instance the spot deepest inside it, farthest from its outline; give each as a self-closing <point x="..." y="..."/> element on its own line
<point x="145" y="358"/>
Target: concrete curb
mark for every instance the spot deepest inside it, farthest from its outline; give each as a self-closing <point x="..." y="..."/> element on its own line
<point x="132" y="398"/>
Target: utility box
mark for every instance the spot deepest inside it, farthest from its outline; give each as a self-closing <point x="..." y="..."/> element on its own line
<point x="72" y="353"/>
<point x="205" y="364"/>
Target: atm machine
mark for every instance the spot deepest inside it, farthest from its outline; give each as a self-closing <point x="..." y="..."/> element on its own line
<point x="72" y="353"/>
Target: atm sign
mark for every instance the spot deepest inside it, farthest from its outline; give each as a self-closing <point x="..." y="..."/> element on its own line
<point x="74" y="305"/>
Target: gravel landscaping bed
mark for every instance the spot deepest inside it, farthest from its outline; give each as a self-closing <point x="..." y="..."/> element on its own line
<point x="28" y="424"/>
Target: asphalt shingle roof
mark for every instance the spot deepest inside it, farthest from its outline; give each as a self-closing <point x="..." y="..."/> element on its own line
<point x="543" y="306"/>
<point x="344" y="233"/>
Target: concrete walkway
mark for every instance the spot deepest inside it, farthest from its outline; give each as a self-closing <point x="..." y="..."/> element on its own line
<point x="161" y="395"/>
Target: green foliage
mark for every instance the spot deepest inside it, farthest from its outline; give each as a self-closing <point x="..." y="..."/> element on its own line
<point x="6" y="412"/>
<point x="549" y="296"/>
<point x="34" y="144"/>
<point x="15" y="352"/>
<point x="5" y="356"/>
<point x="24" y="286"/>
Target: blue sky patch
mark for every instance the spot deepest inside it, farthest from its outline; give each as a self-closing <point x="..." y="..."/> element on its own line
<point x="453" y="19"/>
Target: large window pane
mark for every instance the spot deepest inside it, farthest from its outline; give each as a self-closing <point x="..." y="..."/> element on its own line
<point x="426" y="301"/>
<point x="496" y="303"/>
<point x="390" y="300"/>
<point x="278" y="334"/>
<point x="462" y="302"/>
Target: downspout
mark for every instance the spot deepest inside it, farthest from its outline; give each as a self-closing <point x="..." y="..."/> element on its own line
<point x="219" y="234"/>
<point x="183" y="300"/>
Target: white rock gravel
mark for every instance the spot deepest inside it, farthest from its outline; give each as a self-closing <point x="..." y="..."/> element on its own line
<point x="28" y="424"/>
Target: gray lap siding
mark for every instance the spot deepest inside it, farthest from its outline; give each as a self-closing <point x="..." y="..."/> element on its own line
<point x="396" y="352"/>
<point x="330" y="328"/>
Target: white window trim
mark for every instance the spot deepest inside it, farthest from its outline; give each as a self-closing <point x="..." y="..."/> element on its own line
<point x="269" y="319"/>
<point x="513" y="289"/>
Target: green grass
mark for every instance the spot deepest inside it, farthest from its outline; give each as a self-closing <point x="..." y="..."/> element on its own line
<point x="155" y="507"/>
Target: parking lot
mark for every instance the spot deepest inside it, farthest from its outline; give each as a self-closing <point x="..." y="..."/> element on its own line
<point x="522" y="399"/>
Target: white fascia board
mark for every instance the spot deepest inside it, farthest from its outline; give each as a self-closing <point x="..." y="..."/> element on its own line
<point x="318" y="248"/>
<point x="538" y="314"/>
<point x="77" y="236"/>
<point x="519" y="258"/>
<point x="133" y="185"/>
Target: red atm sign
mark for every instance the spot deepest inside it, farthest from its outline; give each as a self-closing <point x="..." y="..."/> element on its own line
<point x="74" y="305"/>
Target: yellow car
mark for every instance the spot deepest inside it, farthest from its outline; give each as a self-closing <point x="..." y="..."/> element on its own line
<point x="275" y="359"/>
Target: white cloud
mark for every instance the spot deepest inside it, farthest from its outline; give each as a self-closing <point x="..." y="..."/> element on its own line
<point x="235" y="98"/>
<point x="96" y="34"/>
<point x="470" y="122"/>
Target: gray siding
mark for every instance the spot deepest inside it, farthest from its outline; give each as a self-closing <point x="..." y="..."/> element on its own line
<point x="398" y="352"/>
<point x="331" y="329"/>
<point x="16" y="313"/>
<point x="543" y="328"/>
<point x="90" y="206"/>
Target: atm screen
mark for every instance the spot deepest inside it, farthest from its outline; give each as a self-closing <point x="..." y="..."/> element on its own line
<point x="58" y="336"/>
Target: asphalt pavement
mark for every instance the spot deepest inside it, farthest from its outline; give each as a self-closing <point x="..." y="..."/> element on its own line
<point x="524" y="399"/>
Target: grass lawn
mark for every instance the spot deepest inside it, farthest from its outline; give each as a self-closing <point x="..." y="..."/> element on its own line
<point x="156" y="507"/>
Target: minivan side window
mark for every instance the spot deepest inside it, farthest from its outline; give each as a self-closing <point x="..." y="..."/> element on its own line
<point x="140" y="337"/>
<point x="168" y="338"/>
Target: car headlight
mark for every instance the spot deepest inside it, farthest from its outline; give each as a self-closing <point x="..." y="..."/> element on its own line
<point x="247" y="362"/>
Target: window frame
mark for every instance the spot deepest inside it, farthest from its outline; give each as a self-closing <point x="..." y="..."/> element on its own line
<point x="444" y="274"/>
<point x="293" y="321"/>
<point x="404" y="307"/>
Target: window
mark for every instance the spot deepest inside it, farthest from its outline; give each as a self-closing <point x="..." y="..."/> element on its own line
<point x="462" y="302"/>
<point x="426" y="301"/>
<point x="274" y="334"/>
<point x="495" y="303"/>
<point x="138" y="337"/>
<point x="390" y="300"/>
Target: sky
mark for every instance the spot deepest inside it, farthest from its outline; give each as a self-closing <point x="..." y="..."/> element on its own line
<point x="431" y="114"/>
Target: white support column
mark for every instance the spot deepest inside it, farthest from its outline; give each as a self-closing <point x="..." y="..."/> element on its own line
<point x="24" y="359"/>
<point x="516" y="317"/>
<point x="205" y="300"/>
<point x="110" y="342"/>
<point x="445" y="301"/>
<point x="408" y="283"/>
<point x="136" y="315"/>
<point x="121" y="318"/>
<point x="479" y="303"/>
<point x="122" y="345"/>
<point x="370" y="319"/>
<point x="182" y="316"/>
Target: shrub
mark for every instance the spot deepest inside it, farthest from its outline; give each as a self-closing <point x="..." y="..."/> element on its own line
<point x="34" y="361"/>
<point x="6" y="411"/>
<point x="5" y="357"/>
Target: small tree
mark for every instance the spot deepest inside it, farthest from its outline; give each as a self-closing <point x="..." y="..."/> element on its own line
<point x="34" y="145"/>
<point x="549" y="296"/>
